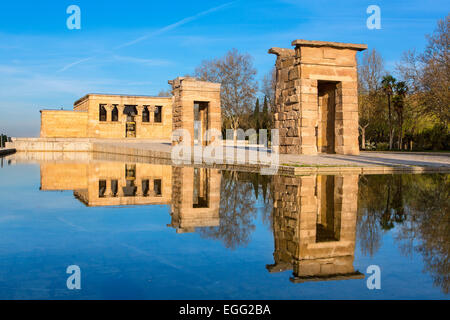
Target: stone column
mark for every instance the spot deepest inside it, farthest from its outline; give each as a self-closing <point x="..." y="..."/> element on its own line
<point x="151" y="187"/>
<point x="121" y="118"/>
<point x="287" y="101"/>
<point x="121" y="182"/>
<point x="108" y="108"/>
<point x="138" y="188"/>
<point x="347" y="118"/>
<point x="138" y="120"/>
<point x="151" y="110"/>
<point x="108" y="188"/>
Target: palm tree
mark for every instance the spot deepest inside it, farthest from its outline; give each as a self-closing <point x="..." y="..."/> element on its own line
<point x="400" y="90"/>
<point x="388" y="84"/>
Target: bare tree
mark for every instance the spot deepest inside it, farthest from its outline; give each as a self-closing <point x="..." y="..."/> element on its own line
<point x="427" y="75"/>
<point x="268" y="86"/>
<point x="370" y="71"/>
<point x="165" y="93"/>
<point x="436" y="73"/>
<point x="236" y="74"/>
<point x="388" y="83"/>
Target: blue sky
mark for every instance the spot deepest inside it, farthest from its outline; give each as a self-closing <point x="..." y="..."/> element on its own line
<point x="134" y="47"/>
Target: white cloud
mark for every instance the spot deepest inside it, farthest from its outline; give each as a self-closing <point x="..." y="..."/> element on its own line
<point x="144" y="62"/>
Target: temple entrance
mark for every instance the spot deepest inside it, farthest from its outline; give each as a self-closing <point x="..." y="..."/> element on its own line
<point x="325" y="131"/>
<point x="200" y="122"/>
<point x="130" y="125"/>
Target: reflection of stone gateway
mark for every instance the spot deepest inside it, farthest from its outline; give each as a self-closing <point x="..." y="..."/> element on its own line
<point x="195" y="199"/>
<point x="314" y="225"/>
<point x="193" y="193"/>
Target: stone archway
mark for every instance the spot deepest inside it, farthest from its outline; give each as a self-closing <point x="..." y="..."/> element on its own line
<point x="316" y="97"/>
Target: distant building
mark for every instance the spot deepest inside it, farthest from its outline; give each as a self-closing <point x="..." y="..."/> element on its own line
<point x="194" y="104"/>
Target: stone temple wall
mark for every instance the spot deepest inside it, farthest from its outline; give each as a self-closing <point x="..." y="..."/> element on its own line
<point x="306" y="74"/>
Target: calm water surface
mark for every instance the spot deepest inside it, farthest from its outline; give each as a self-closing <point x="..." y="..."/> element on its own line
<point x="151" y="231"/>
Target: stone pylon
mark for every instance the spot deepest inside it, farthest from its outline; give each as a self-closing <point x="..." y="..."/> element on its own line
<point x="316" y="97"/>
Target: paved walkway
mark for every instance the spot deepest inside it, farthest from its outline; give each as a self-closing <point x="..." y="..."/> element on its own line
<point x="249" y="158"/>
<point x="366" y="159"/>
<point x="365" y="162"/>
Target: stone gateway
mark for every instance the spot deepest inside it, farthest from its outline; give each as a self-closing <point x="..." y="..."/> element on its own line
<point x="316" y="97"/>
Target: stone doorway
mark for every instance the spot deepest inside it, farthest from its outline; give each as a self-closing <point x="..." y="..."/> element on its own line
<point x="325" y="130"/>
<point x="130" y="126"/>
<point x="200" y="122"/>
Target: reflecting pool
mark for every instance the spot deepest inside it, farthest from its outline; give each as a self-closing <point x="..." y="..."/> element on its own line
<point x="156" y="231"/>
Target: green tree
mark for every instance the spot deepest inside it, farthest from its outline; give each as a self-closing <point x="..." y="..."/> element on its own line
<point x="256" y="120"/>
<point x="266" y="117"/>
<point x="398" y="101"/>
<point x="388" y="84"/>
<point x="370" y="106"/>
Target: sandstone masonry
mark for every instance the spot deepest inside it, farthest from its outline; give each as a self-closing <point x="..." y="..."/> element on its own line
<point x="316" y="101"/>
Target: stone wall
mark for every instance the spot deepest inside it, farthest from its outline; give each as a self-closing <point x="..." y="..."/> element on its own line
<point x="116" y="129"/>
<point x="298" y="112"/>
<point x="63" y="124"/>
<point x="51" y="144"/>
<point x="84" y="120"/>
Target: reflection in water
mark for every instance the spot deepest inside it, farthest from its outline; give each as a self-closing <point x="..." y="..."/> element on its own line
<point x="418" y="207"/>
<point x="237" y="211"/>
<point x="316" y="220"/>
<point x="195" y="198"/>
<point x="193" y="193"/>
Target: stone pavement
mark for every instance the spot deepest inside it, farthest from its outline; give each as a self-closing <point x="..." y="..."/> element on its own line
<point x="248" y="158"/>
<point x="366" y="162"/>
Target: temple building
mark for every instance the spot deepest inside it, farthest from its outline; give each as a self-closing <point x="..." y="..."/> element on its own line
<point x="195" y="106"/>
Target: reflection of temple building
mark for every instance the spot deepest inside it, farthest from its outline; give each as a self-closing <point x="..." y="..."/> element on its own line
<point x="314" y="225"/>
<point x="193" y="193"/>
